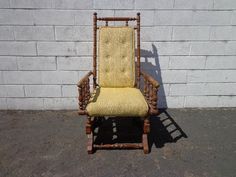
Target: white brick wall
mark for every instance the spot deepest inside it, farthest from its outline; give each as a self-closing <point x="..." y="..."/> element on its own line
<point x="46" y="47"/>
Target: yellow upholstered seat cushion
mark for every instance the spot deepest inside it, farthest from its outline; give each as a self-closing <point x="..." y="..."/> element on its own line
<point x="117" y="102"/>
<point x="116" y="64"/>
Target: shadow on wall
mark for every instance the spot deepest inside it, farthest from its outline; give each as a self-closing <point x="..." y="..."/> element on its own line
<point x="154" y="70"/>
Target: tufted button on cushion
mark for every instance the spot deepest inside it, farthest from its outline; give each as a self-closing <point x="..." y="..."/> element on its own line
<point x="123" y="41"/>
<point x="106" y="41"/>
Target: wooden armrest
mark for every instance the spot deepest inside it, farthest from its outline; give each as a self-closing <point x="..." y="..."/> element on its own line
<point x="150" y="79"/>
<point x="150" y="92"/>
<point x="84" y="93"/>
<point x="80" y="83"/>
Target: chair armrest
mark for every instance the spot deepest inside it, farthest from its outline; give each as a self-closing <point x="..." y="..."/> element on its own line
<point x="84" y="78"/>
<point x="150" y="92"/>
<point x="84" y="93"/>
<point x="150" y="79"/>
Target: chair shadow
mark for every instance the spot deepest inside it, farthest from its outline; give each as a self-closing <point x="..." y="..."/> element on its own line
<point x="164" y="129"/>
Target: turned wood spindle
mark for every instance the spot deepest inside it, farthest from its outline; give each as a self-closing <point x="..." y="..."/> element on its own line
<point x="154" y="98"/>
<point x="80" y="98"/>
<point x="150" y="94"/>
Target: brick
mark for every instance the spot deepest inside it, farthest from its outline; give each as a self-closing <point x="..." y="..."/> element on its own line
<point x="84" y="48"/>
<point x="54" y="17"/>
<point x="174" y="102"/>
<point x="36" y="63"/>
<point x="186" y="89"/>
<point x="230" y="48"/>
<point x="186" y="17"/>
<point x="233" y="21"/>
<point x="8" y="63"/>
<point x="11" y="91"/>
<point x="211" y="17"/>
<point x="43" y="91"/>
<point x="25" y="103"/>
<point x="34" y="33"/>
<point x="6" y="33"/>
<point x="147" y="16"/>
<point x="64" y="48"/>
<point x="154" y="63"/>
<point x="191" y="33"/>
<point x="212" y="76"/>
<point x="69" y="91"/>
<point x="1" y="77"/>
<point x="224" y="4"/>
<point x="74" y="33"/>
<point x="57" y="48"/>
<point x="3" y="103"/>
<point x="85" y="17"/>
<point x="22" y="77"/>
<point x="172" y="48"/>
<point x="60" y="103"/>
<point x="157" y="4"/>
<point x="17" y="48"/>
<point x="16" y="17"/>
<point x="60" y="77"/>
<point x="173" y="17"/>
<point x="156" y="33"/>
<point x="221" y="62"/>
<point x="113" y="4"/>
<point x="31" y="3"/>
<point x="201" y="101"/>
<point x="192" y="4"/>
<point x="187" y="62"/>
<point x="203" y="89"/>
<point x="208" y="48"/>
<point x="74" y="63"/>
<point x="173" y="76"/>
<point x="227" y="101"/>
<point x="165" y="48"/>
<point x="223" y="33"/>
<point x="4" y="3"/>
<point x="73" y="4"/>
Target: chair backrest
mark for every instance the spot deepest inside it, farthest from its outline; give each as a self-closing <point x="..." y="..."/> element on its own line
<point x="116" y="57"/>
<point x="117" y="66"/>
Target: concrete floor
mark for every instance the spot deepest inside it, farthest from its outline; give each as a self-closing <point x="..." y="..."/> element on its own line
<point x="184" y="143"/>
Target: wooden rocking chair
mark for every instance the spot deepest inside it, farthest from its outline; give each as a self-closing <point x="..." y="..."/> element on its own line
<point x="118" y="90"/>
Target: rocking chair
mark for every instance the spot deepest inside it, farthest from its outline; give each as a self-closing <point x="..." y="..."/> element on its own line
<point x="122" y="89"/>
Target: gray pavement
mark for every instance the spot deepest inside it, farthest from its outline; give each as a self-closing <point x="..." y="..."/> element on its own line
<point x="184" y="143"/>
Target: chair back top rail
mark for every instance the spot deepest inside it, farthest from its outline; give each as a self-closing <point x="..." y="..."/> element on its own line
<point x="116" y="19"/>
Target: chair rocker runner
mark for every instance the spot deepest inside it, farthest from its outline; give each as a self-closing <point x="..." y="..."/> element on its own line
<point x="118" y="90"/>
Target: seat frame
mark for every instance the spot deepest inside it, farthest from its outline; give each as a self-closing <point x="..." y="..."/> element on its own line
<point x="149" y="90"/>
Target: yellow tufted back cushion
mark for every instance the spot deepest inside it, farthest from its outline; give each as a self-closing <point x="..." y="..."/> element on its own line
<point x="116" y="65"/>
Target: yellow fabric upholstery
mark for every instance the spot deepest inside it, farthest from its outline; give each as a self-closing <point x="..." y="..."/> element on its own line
<point x="117" y="102"/>
<point x="116" y="65"/>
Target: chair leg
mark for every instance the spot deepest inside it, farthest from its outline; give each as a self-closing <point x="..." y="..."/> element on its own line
<point x="90" y="143"/>
<point x="89" y="132"/>
<point x="88" y="127"/>
<point x="146" y="130"/>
